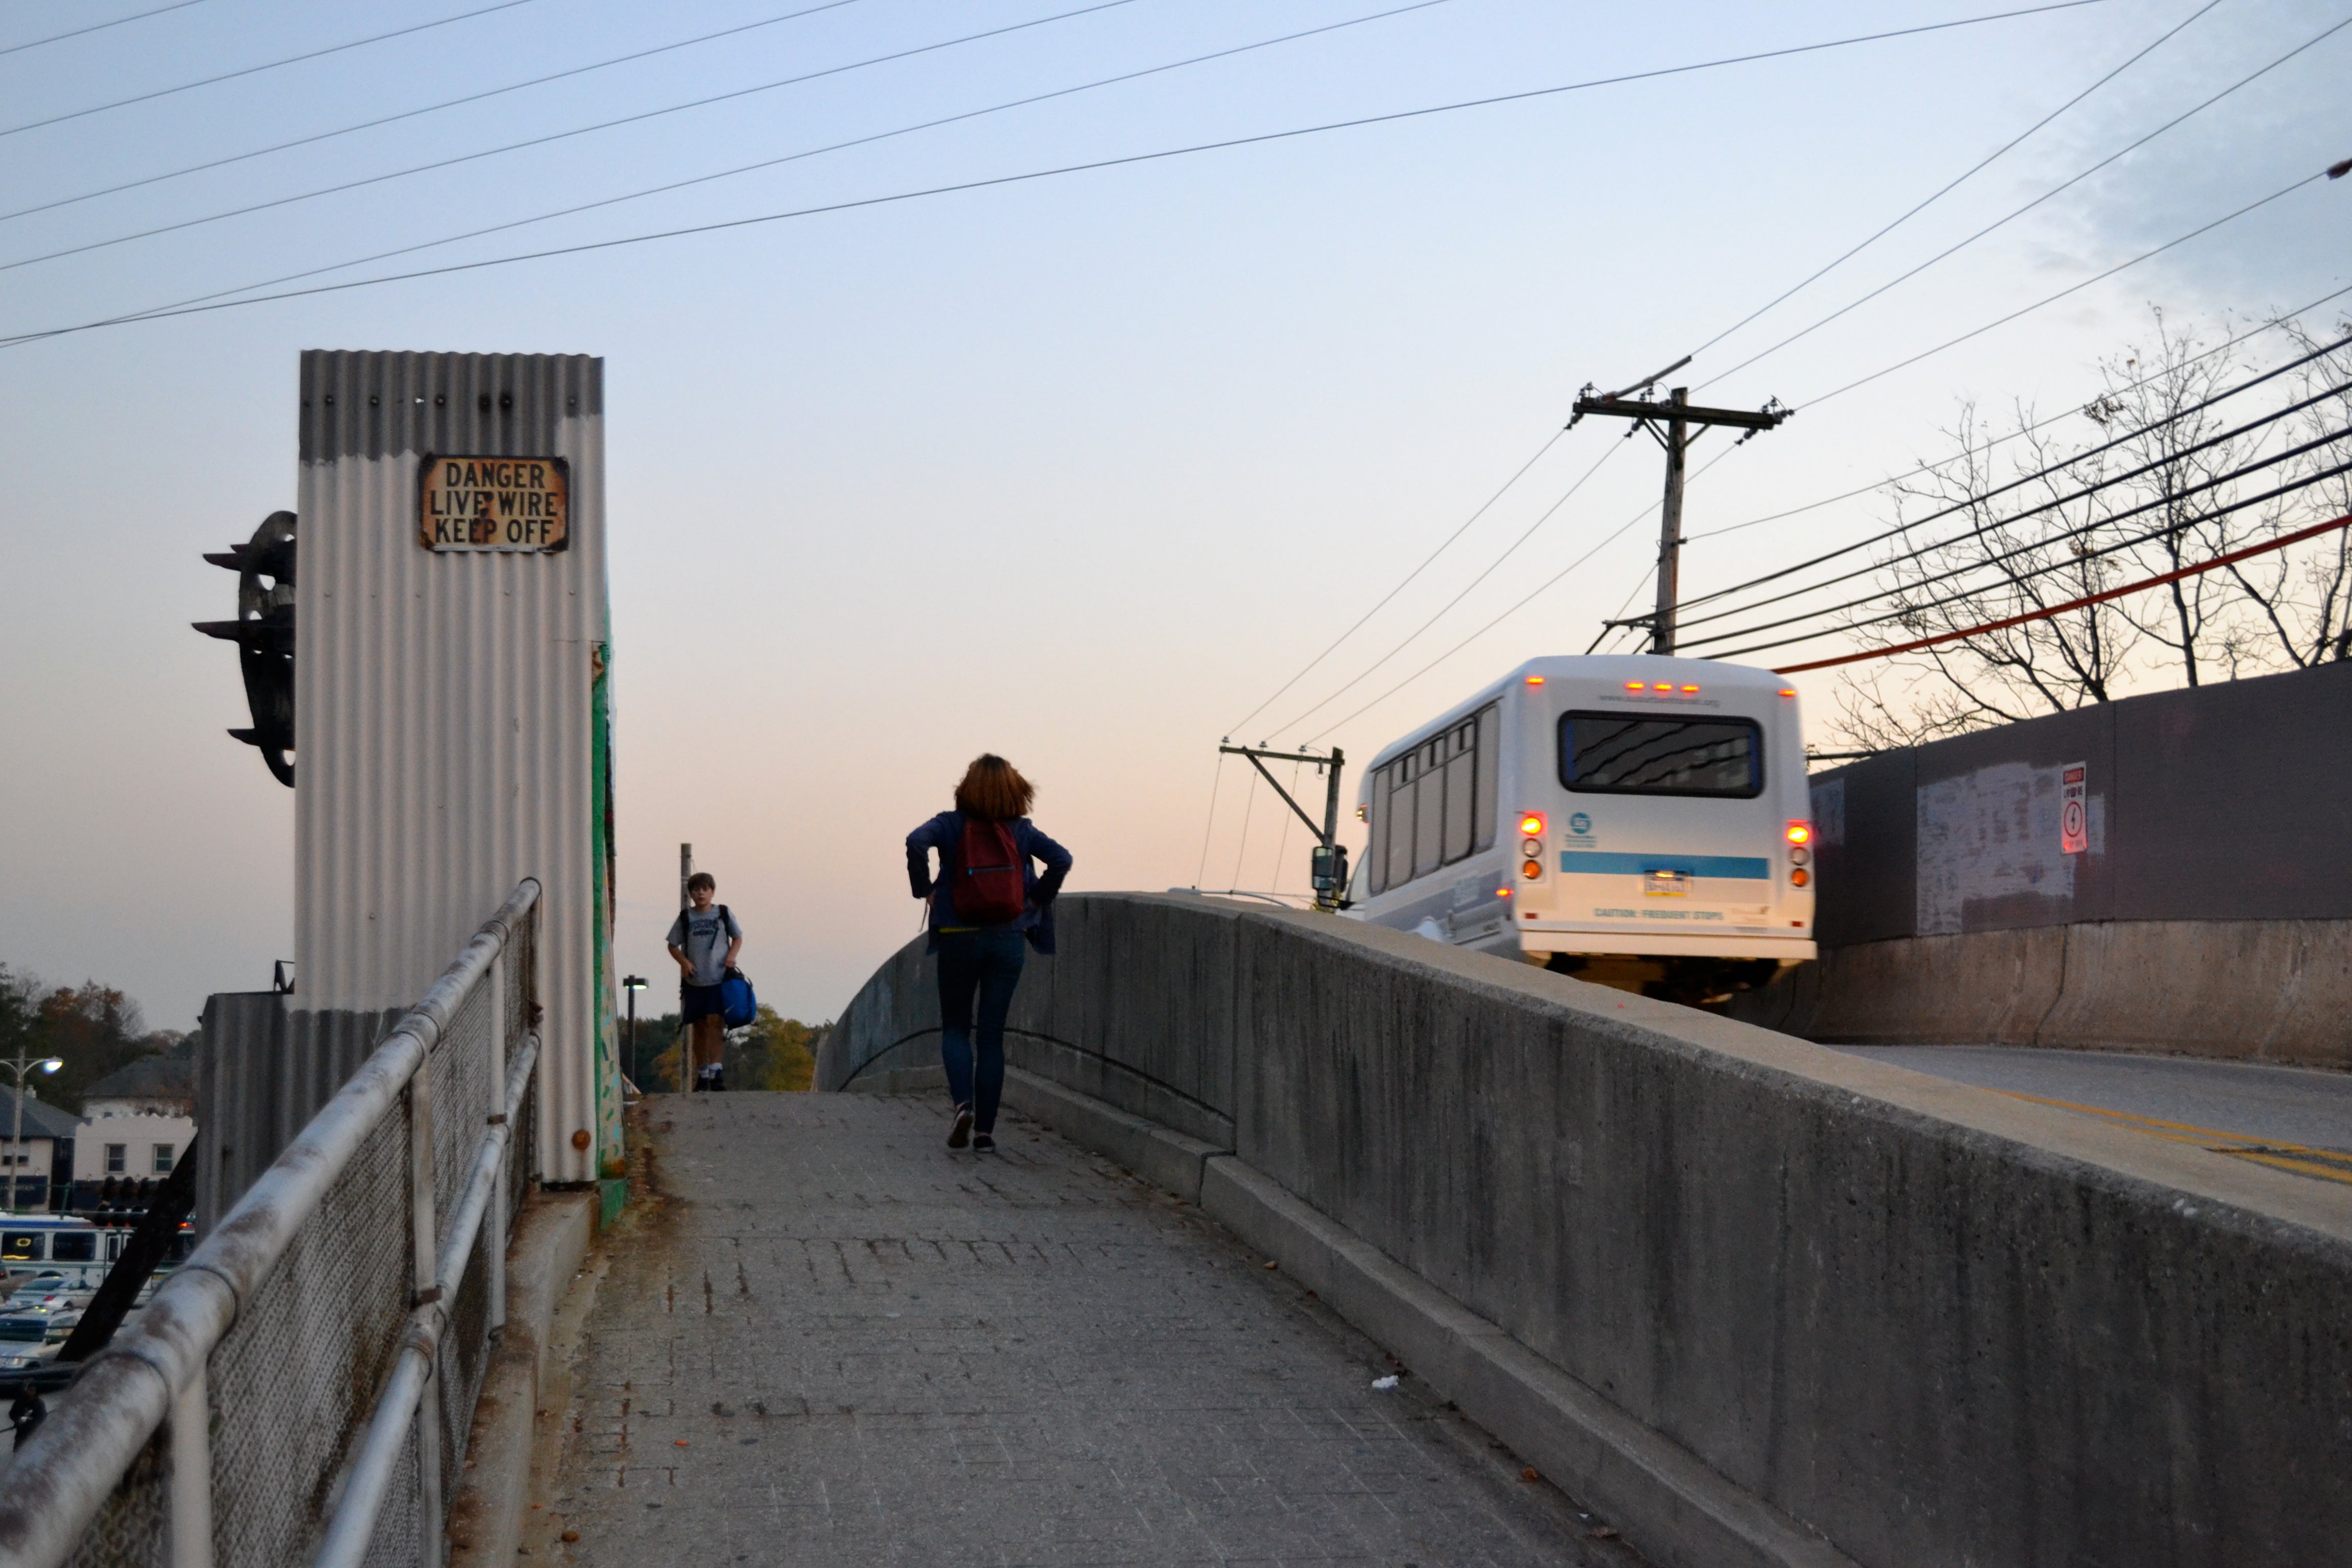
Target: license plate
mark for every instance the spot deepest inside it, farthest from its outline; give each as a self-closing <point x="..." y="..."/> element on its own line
<point x="1664" y="885"/>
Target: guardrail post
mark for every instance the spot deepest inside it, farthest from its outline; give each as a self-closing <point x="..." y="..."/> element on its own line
<point x="192" y="1476"/>
<point x="425" y="1244"/>
<point x="496" y="1318"/>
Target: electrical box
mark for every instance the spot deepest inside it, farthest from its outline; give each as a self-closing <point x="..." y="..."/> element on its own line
<point x="453" y="705"/>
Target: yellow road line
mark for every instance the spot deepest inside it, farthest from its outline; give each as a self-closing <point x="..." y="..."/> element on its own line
<point x="2327" y="1165"/>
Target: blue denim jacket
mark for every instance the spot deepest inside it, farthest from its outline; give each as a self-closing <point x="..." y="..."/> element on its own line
<point x="944" y="832"/>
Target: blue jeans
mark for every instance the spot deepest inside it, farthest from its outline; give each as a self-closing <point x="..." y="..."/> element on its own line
<point x="986" y="964"/>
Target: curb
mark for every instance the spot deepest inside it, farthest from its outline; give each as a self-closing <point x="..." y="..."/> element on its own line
<point x="550" y="1243"/>
<point x="1672" y="1507"/>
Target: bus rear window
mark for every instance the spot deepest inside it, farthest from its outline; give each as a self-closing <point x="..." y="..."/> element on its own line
<point x="1613" y="753"/>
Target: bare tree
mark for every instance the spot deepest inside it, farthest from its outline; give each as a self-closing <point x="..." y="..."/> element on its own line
<point x="2301" y="598"/>
<point x="1969" y="560"/>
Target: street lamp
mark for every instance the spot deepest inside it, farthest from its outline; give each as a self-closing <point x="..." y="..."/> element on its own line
<point x="633" y="983"/>
<point x="23" y="1065"/>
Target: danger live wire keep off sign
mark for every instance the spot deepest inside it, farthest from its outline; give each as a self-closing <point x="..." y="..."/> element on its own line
<point x="479" y="504"/>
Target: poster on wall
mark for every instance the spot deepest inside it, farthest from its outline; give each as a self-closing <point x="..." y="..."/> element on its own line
<point x="2073" y="808"/>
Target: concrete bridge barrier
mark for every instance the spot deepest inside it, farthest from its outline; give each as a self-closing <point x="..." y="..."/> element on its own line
<point x="1761" y="1302"/>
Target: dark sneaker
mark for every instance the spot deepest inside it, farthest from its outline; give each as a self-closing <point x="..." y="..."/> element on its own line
<point x="718" y="1079"/>
<point x="961" y="1134"/>
<point x="981" y="1142"/>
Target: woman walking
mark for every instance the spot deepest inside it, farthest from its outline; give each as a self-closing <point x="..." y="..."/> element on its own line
<point x="985" y="903"/>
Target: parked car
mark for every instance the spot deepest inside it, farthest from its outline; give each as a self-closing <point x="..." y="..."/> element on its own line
<point x="28" y="1339"/>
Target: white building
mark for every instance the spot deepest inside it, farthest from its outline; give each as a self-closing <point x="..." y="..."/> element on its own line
<point x="33" y="1161"/>
<point x="136" y="1126"/>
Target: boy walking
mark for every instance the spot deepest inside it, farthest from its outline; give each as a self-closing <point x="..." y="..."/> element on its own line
<point x="704" y="939"/>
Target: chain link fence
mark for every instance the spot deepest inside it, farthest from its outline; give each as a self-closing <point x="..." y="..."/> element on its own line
<point x="311" y="1314"/>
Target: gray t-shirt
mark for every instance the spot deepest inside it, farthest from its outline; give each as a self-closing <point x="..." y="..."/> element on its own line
<point x="703" y="935"/>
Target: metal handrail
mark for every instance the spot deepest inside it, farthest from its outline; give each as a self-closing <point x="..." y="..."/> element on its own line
<point x="61" y="1478"/>
<point x="352" y="1528"/>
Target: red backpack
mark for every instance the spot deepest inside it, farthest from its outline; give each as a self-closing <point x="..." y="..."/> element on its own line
<point x="989" y="886"/>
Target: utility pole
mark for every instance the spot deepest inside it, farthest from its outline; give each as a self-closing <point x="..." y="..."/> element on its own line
<point x="1676" y="416"/>
<point x="1330" y="870"/>
<point x="22" y="1065"/>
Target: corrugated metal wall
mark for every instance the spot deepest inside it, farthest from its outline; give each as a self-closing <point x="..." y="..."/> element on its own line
<point x="444" y="724"/>
<point x="2222" y="802"/>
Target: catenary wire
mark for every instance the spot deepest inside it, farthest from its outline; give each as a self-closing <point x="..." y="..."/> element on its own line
<point x="428" y="109"/>
<point x="1521" y="472"/>
<point x="256" y="71"/>
<point x="785" y="158"/>
<point x="1911" y="529"/>
<point x="97" y="27"/>
<point x="1970" y="173"/>
<point x="722" y="226"/>
<point x="553" y="136"/>
<point x="1495" y="566"/>
<point x="2268" y="460"/>
<point x="1956" y="249"/>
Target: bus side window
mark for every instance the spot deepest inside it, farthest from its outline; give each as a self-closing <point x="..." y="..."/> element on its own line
<point x="1400" y="820"/>
<point x="1489" y="777"/>
<point x="21" y="1246"/>
<point x="1429" y="807"/>
<point x="74" y="1246"/>
<point x="1376" y="821"/>
<point x="1461" y="768"/>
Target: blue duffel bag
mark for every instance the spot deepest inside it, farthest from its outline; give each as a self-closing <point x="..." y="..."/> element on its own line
<point x="738" y="1004"/>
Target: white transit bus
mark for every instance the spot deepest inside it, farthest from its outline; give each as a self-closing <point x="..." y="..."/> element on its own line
<point x="1638" y="821"/>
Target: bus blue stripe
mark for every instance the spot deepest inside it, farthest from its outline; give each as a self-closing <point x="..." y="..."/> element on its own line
<point x="1591" y="863"/>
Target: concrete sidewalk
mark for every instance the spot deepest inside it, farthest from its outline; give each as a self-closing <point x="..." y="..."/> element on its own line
<point x="827" y="1339"/>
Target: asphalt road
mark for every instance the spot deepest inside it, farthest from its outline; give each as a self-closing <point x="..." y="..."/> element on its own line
<point x="2292" y="1118"/>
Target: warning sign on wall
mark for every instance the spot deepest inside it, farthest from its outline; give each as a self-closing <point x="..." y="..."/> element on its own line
<point x="493" y="503"/>
<point x="2074" y="808"/>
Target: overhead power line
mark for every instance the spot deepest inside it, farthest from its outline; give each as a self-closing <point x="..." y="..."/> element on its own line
<point x="2148" y="254"/>
<point x="2043" y="472"/>
<point x="1954" y="250"/>
<point x="256" y="71"/>
<point x="803" y="153"/>
<point x="1516" y="475"/>
<point x="1415" y="635"/>
<point x="415" y="113"/>
<point x="2071" y="562"/>
<point x="554" y="136"/>
<point x="1262" y="138"/>
<point x="2084" y="601"/>
<point x="1971" y="172"/>
<point x="97" y="27"/>
<point x="1939" y="464"/>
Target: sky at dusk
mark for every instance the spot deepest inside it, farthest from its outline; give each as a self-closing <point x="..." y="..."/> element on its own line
<point x="1078" y="468"/>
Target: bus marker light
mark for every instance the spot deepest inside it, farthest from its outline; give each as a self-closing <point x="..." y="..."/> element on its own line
<point x="1690" y="690"/>
<point x="1535" y="680"/>
<point x="1636" y="686"/>
<point x="1787" y="692"/>
<point x="1801" y="832"/>
<point x="1663" y="686"/>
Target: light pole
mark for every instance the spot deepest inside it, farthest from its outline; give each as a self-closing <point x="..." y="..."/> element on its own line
<point x="633" y="983"/>
<point x="23" y="1065"/>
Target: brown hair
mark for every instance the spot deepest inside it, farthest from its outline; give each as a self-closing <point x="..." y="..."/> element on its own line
<point x="702" y="880"/>
<point x="994" y="790"/>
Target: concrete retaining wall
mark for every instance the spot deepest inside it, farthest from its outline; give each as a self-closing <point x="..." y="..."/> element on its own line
<point x="2269" y="991"/>
<point x="1936" y="1326"/>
